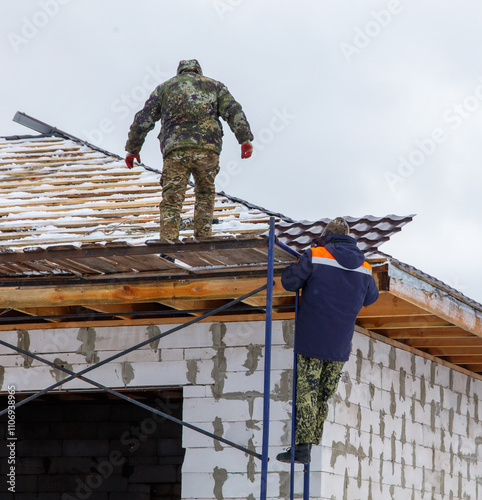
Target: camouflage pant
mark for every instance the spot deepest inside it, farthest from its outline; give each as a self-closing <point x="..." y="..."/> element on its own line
<point x="316" y="382"/>
<point x="178" y="166"/>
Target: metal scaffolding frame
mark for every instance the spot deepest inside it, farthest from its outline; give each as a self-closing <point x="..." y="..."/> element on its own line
<point x="267" y="373"/>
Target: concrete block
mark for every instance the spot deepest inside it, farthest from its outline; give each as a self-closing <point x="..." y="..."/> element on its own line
<point x="203" y="460"/>
<point x="355" y="489"/>
<point x="460" y="424"/>
<point x="441" y="375"/>
<point x="371" y="373"/>
<point x="380" y="401"/>
<point x="281" y="358"/>
<point x="206" y="410"/>
<point x="172" y="354"/>
<point x="204" y="375"/>
<point x="362" y="342"/>
<point x="392" y="472"/>
<point x="390" y="379"/>
<point x="245" y="333"/>
<point x="403" y="360"/>
<point x="279" y="410"/>
<point x="350" y="365"/>
<point x="197" y="335"/>
<point x="459" y="382"/>
<point x="39" y="448"/>
<point x="332" y="486"/>
<point x="196" y="391"/>
<point x="237" y="486"/>
<point x="240" y="382"/>
<point x="412" y="387"/>
<point x="449" y="399"/>
<point x="197" y="354"/>
<point x="236" y="358"/>
<point x="358" y="393"/>
<point x="424" y="457"/>
<point x="422" y="367"/>
<point x="194" y="439"/>
<point x="85" y="448"/>
<point x="347" y="414"/>
<point x="369" y="419"/>
<point x="382" y="354"/>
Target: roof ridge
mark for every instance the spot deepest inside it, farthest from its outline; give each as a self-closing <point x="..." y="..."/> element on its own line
<point x="256" y="207"/>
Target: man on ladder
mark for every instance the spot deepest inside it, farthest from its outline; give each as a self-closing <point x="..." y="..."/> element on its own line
<point x="189" y="106"/>
<point x="336" y="282"/>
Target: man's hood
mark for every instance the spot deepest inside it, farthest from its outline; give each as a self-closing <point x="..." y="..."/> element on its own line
<point x="189" y="66"/>
<point x="343" y="248"/>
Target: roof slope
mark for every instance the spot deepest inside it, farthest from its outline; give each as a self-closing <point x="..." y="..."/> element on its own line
<point x="54" y="190"/>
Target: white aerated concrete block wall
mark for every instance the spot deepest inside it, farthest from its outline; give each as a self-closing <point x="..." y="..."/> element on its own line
<point x="400" y="427"/>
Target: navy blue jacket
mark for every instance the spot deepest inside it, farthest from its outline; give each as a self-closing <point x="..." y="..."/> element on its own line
<point x="336" y="283"/>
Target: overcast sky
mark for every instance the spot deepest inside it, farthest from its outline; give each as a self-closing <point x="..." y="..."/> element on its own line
<point x="358" y="106"/>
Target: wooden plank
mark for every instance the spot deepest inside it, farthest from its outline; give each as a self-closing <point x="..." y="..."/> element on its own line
<point x="464" y="360"/>
<point x="455" y="351"/>
<point x="405" y="322"/>
<point x="99" y="183"/>
<point x="192" y="305"/>
<point x="389" y="305"/>
<point x="118" y="310"/>
<point x="414" y="333"/>
<point x="48" y="311"/>
<point x="472" y="341"/>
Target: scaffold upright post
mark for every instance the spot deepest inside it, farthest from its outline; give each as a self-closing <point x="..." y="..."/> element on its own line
<point x="293" y="404"/>
<point x="267" y="361"/>
<point x="306" y="482"/>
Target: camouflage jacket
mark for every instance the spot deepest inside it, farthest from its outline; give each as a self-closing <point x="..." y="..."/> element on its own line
<point x="189" y="106"/>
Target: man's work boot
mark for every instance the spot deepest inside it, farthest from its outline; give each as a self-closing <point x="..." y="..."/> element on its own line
<point x="302" y="454"/>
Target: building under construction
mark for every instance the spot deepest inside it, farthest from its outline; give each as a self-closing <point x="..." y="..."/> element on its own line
<point x="136" y="376"/>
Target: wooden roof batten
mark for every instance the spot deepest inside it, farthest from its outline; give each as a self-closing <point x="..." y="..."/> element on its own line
<point x="84" y="269"/>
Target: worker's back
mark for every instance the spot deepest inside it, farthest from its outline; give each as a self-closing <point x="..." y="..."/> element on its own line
<point x="336" y="283"/>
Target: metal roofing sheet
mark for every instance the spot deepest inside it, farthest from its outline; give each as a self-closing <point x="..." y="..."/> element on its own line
<point x="369" y="231"/>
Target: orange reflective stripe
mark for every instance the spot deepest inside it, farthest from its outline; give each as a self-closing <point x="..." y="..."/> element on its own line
<point x="320" y="255"/>
<point x="321" y="252"/>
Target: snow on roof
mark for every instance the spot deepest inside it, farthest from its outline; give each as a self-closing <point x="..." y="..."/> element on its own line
<point x="55" y="190"/>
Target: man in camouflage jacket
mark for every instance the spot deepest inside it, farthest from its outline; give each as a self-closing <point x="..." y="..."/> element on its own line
<point x="189" y="106"/>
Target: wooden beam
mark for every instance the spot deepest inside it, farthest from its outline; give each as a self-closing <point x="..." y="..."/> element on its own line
<point x="442" y="305"/>
<point x="118" y="293"/>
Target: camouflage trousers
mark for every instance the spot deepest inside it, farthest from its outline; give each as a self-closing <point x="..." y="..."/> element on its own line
<point x="316" y="382"/>
<point x="178" y="165"/>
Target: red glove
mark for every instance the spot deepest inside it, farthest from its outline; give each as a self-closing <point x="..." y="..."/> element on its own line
<point x="130" y="160"/>
<point x="246" y="150"/>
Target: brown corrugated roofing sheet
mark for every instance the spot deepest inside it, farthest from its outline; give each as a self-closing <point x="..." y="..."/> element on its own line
<point x="369" y="231"/>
